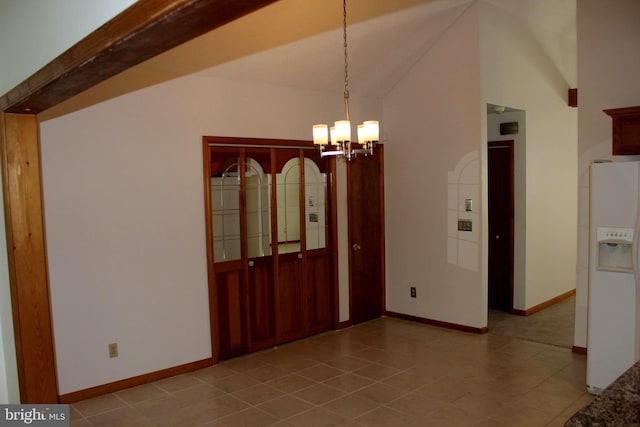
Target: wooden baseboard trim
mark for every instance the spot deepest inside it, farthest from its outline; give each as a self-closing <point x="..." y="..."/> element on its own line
<point x="579" y="350"/>
<point x="438" y="323"/>
<point x="134" y="381"/>
<point x="543" y="305"/>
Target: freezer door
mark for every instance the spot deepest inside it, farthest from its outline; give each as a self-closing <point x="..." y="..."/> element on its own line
<point x="612" y="294"/>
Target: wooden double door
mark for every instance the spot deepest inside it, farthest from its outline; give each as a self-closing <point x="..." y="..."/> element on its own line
<point x="268" y="243"/>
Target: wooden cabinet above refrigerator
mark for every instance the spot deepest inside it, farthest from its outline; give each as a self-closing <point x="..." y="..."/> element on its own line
<point x="626" y="130"/>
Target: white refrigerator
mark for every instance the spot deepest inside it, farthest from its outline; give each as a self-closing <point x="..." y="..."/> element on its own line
<point x="614" y="279"/>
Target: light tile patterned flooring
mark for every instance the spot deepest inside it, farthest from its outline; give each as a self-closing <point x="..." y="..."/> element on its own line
<point x="386" y="372"/>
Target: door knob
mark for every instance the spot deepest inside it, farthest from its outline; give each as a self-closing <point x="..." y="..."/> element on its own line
<point x="497" y="237"/>
<point x="299" y="255"/>
<point x="356" y="247"/>
<point x="250" y="263"/>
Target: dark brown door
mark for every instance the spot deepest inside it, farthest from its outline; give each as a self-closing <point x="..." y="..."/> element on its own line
<point x="365" y="193"/>
<point x="318" y="272"/>
<point x="303" y="270"/>
<point x="228" y="266"/>
<point x="257" y="243"/>
<point x="241" y="240"/>
<point x="501" y="208"/>
<point x="292" y="292"/>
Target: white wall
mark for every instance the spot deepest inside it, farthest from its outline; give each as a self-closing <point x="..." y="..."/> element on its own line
<point x="54" y="26"/>
<point x="433" y="117"/>
<point x="608" y="64"/>
<point x="517" y="73"/>
<point x="124" y="211"/>
<point x="437" y="124"/>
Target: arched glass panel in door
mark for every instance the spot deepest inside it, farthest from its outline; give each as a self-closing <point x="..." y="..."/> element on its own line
<point x="225" y="206"/>
<point x="315" y="193"/>
<point x="225" y="209"/>
<point x="288" y="197"/>
<point x="257" y="210"/>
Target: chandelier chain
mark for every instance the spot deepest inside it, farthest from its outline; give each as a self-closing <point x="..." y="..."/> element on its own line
<point x="346" y="61"/>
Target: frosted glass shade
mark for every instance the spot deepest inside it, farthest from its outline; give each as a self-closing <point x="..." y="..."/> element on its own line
<point x="361" y="139"/>
<point x="343" y="130"/>
<point x="371" y="130"/>
<point x="320" y="134"/>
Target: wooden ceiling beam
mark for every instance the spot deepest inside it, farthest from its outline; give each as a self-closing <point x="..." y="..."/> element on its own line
<point x="144" y="30"/>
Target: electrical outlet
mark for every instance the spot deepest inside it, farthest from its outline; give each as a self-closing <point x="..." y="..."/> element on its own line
<point x="413" y="291"/>
<point x="113" y="349"/>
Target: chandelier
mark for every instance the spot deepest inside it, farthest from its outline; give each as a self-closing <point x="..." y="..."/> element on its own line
<point x="339" y="135"/>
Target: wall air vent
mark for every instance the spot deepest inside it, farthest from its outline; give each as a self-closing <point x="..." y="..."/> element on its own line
<point x="510" y="128"/>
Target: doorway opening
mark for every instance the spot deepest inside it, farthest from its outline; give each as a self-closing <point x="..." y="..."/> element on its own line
<point x="507" y="311"/>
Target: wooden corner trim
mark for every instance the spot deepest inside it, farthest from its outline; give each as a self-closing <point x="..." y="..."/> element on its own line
<point x="572" y="100"/>
<point x="27" y="260"/>
<point x="134" y="381"/>
<point x="439" y="323"/>
<point x="579" y="350"/>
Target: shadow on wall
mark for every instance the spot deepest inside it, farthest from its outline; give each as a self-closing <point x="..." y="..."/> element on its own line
<point x="463" y="198"/>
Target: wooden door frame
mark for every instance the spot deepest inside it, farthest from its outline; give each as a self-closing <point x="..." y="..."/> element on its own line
<point x="145" y="29"/>
<point x="511" y="145"/>
<point x="27" y="259"/>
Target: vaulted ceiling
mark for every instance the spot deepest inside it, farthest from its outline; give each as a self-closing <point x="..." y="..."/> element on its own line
<point x="299" y="44"/>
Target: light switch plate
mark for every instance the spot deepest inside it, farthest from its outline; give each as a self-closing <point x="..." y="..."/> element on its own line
<point x="468" y="205"/>
<point x="465" y="225"/>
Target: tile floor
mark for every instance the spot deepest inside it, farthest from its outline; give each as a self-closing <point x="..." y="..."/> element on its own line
<point x="554" y="325"/>
<point x="386" y="372"/>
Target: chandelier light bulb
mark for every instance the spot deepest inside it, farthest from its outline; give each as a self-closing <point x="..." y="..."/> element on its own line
<point x="361" y="134"/>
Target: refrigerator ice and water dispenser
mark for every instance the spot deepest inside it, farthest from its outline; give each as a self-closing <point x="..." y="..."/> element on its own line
<point x="615" y="249"/>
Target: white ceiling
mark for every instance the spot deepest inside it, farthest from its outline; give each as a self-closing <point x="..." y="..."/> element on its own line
<point x="298" y="43"/>
<point x="380" y="52"/>
<point x="382" y="48"/>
